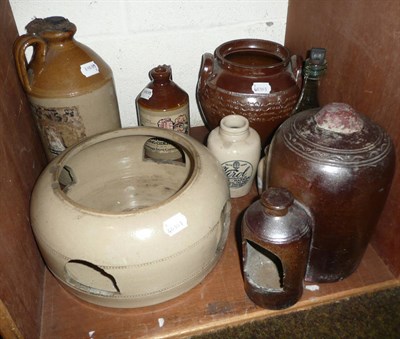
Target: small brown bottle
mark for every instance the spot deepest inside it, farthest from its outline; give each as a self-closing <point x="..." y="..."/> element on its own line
<point x="162" y="103"/>
<point x="276" y="232"/>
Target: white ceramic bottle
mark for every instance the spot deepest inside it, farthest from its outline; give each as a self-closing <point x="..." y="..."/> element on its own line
<point x="238" y="148"/>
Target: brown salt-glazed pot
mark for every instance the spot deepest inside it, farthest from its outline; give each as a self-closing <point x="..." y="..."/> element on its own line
<point x="340" y="164"/>
<point x="251" y="77"/>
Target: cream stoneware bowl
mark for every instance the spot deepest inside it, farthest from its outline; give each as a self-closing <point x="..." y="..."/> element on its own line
<point x="122" y="230"/>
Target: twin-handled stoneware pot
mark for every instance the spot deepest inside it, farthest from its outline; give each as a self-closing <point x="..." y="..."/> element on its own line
<point x="122" y="230"/>
<point x="258" y="79"/>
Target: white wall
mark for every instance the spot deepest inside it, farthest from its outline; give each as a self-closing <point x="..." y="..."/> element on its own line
<point x="135" y="36"/>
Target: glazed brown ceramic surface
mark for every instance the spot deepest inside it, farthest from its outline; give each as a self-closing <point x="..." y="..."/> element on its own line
<point x="250" y="77"/>
<point x="339" y="164"/>
<point x="70" y="88"/>
<point x="276" y="233"/>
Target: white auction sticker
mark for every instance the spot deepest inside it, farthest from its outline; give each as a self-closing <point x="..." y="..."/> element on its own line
<point x="89" y="69"/>
<point x="261" y="87"/>
<point x="146" y="93"/>
<point x="175" y="224"/>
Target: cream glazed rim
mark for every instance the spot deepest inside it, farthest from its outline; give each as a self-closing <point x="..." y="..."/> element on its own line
<point x="57" y="165"/>
<point x="300" y="130"/>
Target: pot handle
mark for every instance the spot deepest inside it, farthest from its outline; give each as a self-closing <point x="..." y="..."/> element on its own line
<point x="19" y="49"/>
<point x="296" y="62"/>
<point x="206" y="69"/>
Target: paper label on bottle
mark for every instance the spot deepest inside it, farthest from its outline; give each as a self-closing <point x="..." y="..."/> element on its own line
<point x="261" y="87"/>
<point x="175" y="224"/>
<point x="60" y="127"/>
<point x="89" y="69"/>
<point x="147" y="93"/>
<point x="174" y="119"/>
<point x="239" y="172"/>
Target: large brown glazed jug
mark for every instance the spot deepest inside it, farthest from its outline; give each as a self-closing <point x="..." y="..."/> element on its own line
<point x="70" y="88"/>
<point x="340" y="164"/>
<point x="251" y="77"/>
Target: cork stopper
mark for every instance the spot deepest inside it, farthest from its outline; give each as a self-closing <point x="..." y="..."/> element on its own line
<point x="50" y="24"/>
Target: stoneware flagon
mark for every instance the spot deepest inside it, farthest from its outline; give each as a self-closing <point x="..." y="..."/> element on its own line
<point x="70" y="87"/>
<point x="339" y="164"/>
<point x="258" y="79"/>
<point x="112" y="225"/>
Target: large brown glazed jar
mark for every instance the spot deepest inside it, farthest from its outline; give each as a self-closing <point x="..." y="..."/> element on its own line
<point x="70" y="88"/>
<point x="250" y="77"/>
<point x="339" y="164"/>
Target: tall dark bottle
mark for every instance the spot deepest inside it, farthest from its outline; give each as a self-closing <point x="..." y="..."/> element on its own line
<point x="314" y="68"/>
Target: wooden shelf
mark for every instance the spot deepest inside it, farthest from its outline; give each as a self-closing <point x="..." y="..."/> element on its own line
<point x="217" y="302"/>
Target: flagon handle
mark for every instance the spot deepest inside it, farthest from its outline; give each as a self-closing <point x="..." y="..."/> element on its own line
<point x="39" y="53"/>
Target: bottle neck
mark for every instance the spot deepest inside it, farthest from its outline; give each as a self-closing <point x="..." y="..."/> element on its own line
<point x="234" y="127"/>
<point x="161" y="75"/>
<point x="309" y="96"/>
<point x="54" y="30"/>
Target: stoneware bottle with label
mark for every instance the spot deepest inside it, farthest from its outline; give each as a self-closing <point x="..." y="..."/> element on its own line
<point x="70" y="88"/>
<point x="237" y="147"/>
<point x="162" y="103"/>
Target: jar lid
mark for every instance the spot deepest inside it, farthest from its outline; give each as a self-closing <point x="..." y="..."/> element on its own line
<point x="339" y="118"/>
<point x="336" y="134"/>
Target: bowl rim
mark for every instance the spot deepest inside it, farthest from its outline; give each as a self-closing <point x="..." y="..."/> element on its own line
<point x="182" y="140"/>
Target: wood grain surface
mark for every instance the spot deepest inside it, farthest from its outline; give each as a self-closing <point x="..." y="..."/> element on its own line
<point x="21" y="161"/>
<point x="217" y="302"/>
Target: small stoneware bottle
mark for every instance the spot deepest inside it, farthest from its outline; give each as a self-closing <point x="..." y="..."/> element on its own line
<point x="162" y="103"/>
<point x="70" y="88"/>
<point x="237" y="147"/>
<point x="275" y="245"/>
